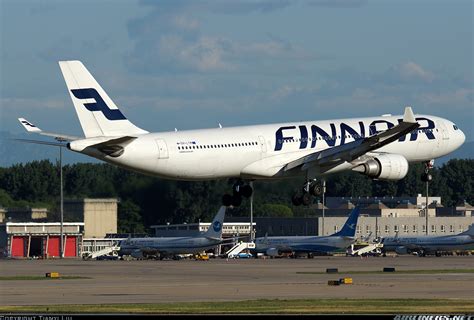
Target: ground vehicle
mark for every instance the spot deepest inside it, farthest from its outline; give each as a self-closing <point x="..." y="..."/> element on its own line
<point x="201" y="257"/>
<point x="241" y="255"/>
<point x="108" y="257"/>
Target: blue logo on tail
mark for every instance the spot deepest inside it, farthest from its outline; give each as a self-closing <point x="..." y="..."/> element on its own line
<point x="349" y="228"/>
<point x="98" y="105"/>
<point x="217" y="226"/>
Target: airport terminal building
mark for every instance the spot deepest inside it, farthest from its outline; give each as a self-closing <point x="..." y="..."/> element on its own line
<point x="379" y="217"/>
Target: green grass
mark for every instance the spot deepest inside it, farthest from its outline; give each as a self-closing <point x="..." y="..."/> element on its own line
<point x="10" y="278"/>
<point x="277" y="306"/>
<point x="433" y="271"/>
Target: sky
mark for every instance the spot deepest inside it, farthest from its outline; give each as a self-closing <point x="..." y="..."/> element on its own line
<point x="195" y="64"/>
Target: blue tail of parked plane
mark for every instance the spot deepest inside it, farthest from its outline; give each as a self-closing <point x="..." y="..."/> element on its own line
<point x="349" y="228"/>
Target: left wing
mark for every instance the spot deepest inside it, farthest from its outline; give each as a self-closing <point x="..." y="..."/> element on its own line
<point x="352" y="150"/>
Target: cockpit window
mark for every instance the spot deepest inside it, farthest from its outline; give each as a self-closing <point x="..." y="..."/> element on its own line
<point x="455" y="127"/>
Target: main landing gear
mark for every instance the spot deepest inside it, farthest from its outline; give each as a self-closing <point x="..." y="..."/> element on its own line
<point x="239" y="190"/>
<point x="310" y="188"/>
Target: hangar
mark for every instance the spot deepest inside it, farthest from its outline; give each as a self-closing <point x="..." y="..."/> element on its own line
<point x="37" y="239"/>
<point x="40" y="240"/>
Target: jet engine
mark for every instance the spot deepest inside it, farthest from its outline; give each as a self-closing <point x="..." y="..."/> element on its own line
<point x="402" y="250"/>
<point x="137" y="254"/>
<point x="384" y="167"/>
<point x="273" y="252"/>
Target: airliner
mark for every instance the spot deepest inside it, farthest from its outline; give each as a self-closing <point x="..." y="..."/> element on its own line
<point x="276" y="246"/>
<point x="424" y="245"/>
<point x="379" y="147"/>
<point x="172" y="246"/>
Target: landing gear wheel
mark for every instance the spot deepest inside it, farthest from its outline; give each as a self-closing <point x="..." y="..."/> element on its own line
<point x="296" y="200"/>
<point x="226" y="200"/>
<point x="236" y="200"/>
<point x="315" y="189"/>
<point x="306" y="199"/>
<point x="246" y="191"/>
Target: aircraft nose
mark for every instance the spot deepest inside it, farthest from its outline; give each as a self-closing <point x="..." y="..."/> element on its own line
<point x="461" y="137"/>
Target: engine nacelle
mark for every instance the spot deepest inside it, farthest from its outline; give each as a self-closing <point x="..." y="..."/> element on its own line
<point x="137" y="254"/>
<point x="402" y="250"/>
<point x="385" y="167"/>
<point x="272" y="252"/>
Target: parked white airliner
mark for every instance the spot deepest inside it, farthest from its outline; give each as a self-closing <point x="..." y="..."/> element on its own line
<point x="379" y="147"/>
<point x="424" y="245"/>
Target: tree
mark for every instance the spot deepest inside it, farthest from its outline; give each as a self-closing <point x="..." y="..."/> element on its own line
<point x="129" y="218"/>
<point x="273" y="210"/>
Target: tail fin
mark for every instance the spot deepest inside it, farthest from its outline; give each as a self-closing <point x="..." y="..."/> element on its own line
<point x="215" y="229"/>
<point x="98" y="114"/>
<point x="349" y="228"/>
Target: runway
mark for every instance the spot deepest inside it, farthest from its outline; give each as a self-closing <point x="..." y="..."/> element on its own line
<point x="229" y="280"/>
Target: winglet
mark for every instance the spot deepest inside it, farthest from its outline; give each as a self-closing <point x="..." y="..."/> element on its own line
<point x="29" y="126"/>
<point x="408" y="116"/>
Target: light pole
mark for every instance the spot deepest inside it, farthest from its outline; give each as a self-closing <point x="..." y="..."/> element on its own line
<point x="324" y="206"/>
<point x="61" y="248"/>
<point x="427" y="182"/>
<point x="427" y="177"/>
<point x="251" y="213"/>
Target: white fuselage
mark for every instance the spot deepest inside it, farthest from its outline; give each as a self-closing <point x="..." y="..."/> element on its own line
<point x="171" y="245"/>
<point x="429" y="243"/>
<point x="303" y="243"/>
<point x="260" y="151"/>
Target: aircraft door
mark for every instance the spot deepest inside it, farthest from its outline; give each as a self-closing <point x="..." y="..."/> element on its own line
<point x="162" y="149"/>
<point x="443" y="143"/>
<point x="444" y="130"/>
<point x="262" y="144"/>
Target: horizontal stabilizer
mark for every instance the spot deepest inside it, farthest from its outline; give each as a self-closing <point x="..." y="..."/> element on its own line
<point x="31" y="128"/>
<point x="56" y="144"/>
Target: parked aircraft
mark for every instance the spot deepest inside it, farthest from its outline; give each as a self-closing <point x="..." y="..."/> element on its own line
<point x="424" y="245"/>
<point x="276" y="246"/>
<point x="380" y="147"/>
<point x="172" y="246"/>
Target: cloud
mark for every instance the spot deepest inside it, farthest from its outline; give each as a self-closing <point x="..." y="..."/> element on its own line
<point x="360" y="92"/>
<point x="411" y="70"/>
<point x="338" y="3"/>
<point x="407" y="72"/>
<point x="171" y="42"/>
<point x="456" y="98"/>
<point x="220" y="6"/>
<point x="66" y="48"/>
<point x="29" y="103"/>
